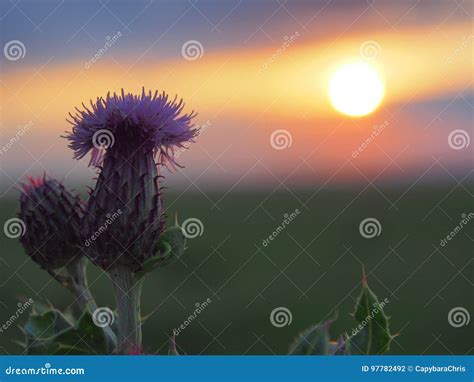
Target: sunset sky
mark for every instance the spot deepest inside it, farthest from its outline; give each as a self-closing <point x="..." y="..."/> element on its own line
<point x="262" y="69"/>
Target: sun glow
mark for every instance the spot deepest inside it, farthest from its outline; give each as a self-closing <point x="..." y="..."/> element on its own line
<point x="356" y="89"/>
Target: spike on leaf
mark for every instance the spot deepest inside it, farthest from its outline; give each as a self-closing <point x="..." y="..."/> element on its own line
<point x="172" y="346"/>
<point x="364" y="278"/>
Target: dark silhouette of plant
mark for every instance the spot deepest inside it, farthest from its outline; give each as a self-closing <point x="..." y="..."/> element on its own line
<point x="121" y="229"/>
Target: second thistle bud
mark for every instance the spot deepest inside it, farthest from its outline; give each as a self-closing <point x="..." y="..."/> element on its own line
<point x="52" y="217"/>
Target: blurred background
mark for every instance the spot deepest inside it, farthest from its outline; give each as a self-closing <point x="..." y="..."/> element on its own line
<point x="279" y="133"/>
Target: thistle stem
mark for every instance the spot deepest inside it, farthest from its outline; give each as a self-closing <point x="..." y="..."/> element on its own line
<point x="76" y="282"/>
<point x="128" y="290"/>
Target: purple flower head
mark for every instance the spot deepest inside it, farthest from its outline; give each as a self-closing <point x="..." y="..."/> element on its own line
<point x="126" y="134"/>
<point x="146" y="122"/>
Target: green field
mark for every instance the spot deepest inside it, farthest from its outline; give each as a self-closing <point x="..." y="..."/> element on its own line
<point x="313" y="268"/>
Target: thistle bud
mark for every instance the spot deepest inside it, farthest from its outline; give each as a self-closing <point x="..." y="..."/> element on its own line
<point x="52" y="217"/>
<point x="129" y="136"/>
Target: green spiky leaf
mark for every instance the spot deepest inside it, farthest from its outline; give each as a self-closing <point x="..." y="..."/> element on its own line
<point x="47" y="324"/>
<point x="372" y="335"/>
<point x="171" y="247"/>
<point x="84" y="338"/>
<point x="44" y="323"/>
<point x="312" y="341"/>
<point x="175" y="238"/>
<point x="52" y="333"/>
<point x="40" y="308"/>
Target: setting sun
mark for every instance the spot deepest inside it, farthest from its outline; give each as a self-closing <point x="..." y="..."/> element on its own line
<point x="356" y="89"/>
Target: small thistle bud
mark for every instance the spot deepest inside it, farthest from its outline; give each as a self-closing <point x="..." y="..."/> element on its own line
<point x="52" y="216"/>
<point x="129" y="136"/>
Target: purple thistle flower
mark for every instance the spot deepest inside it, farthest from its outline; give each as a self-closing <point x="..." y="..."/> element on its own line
<point x="125" y="134"/>
<point x="149" y="122"/>
<point x="52" y="216"/>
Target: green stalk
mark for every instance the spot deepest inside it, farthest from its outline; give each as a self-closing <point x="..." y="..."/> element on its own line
<point x="128" y="289"/>
<point x="76" y="282"/>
